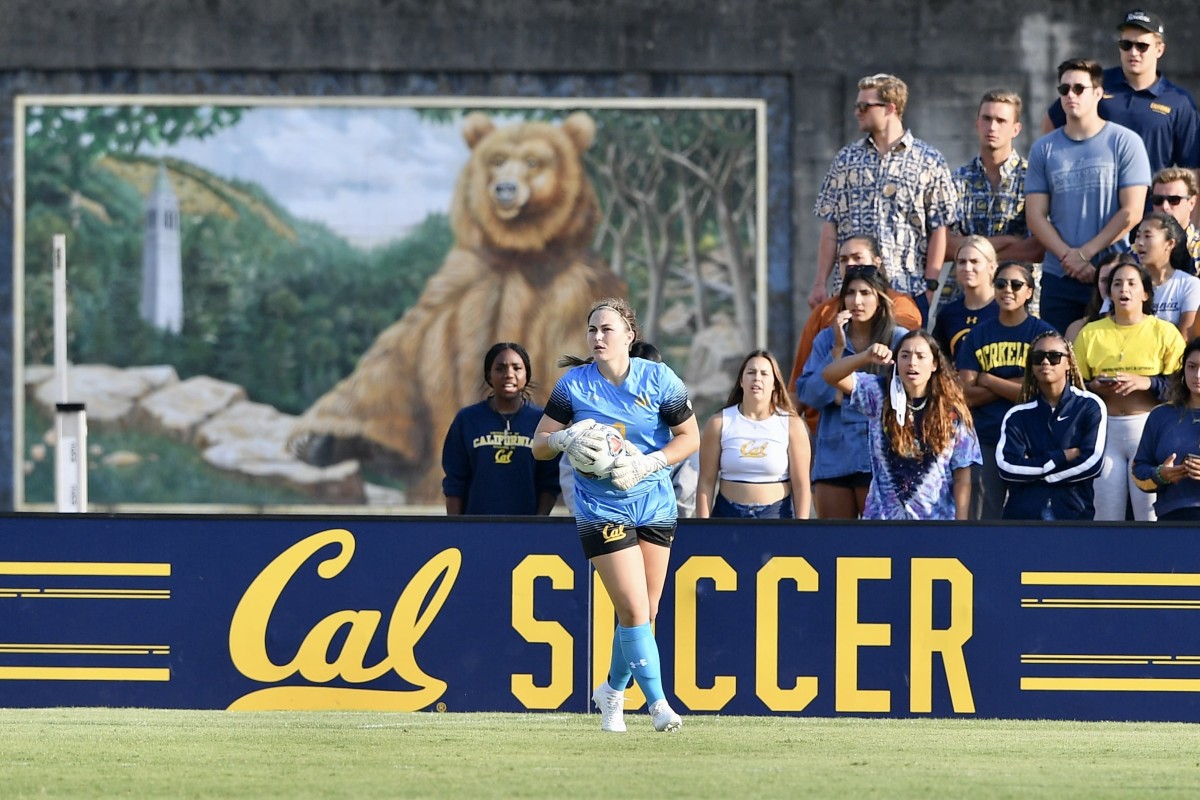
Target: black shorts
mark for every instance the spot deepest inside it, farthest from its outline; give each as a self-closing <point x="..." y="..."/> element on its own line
<point x="855" y="480"/>
<point x="608" y="537"/>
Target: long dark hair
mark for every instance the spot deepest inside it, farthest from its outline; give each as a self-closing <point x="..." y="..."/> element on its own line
<point x="494" y="352"/>
<point x="947" y="408"/>
<point x="1180" y="258"/>
<point x="883" y="324"/>
<point x="1092" y="312"/>
<point x="1147" y="286"/>
<point x="1177" y="390"/>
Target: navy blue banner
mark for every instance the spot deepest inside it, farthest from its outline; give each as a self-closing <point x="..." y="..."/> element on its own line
<point x="1083" y="622"/>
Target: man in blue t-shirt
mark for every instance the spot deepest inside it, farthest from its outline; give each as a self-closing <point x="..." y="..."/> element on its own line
<point x="1137" y="96"/>
<point x="1085" y="190"/>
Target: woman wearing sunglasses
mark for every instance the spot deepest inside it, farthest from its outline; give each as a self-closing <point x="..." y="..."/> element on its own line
<point x="991" y="366"/>
<point x="1124" y="358"/>
<point x="1168" y="457"/>
<point x="922" y="442"/>
<point x="974" y="271"/>
<point x="841" y="469"/>
<point x="1052" y="441"/>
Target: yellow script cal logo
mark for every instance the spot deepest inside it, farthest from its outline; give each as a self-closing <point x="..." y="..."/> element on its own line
<point x="504" y="455"/>
<point x="613" y="533"/>
<point x="336" y="646"/>
<point x="754" y="450"/>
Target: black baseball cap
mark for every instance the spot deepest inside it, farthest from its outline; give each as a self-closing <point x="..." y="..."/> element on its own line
<point x="1146" y="20"/>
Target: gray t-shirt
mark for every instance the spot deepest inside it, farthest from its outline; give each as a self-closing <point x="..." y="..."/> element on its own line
<point x="1083" y="180"/>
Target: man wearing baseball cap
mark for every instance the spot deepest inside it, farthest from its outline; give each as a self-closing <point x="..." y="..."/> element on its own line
<point x="1137" y="96"/>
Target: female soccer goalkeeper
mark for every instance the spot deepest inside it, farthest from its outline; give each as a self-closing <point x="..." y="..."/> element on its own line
<point x="626" y="521"/>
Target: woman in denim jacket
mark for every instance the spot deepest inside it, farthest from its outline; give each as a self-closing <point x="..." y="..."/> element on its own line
<point x="841" y="470"/>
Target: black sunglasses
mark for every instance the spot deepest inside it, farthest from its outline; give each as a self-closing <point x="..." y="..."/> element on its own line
<point x="1038" y="357"/>
<point x="1127" y="45"/>
<point x="863" y="272"/>
<point x="1077" y="88"/>
<point x="862" y="108"/>
<point x="1169" y="199"/>
<point x="1016" y="283"/>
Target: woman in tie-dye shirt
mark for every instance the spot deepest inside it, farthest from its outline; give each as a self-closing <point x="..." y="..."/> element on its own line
<point x="921" y="436"/>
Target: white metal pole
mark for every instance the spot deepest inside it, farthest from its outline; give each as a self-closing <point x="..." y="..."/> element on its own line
<point x="60" y="318"/>
<point x="70" y="452"/>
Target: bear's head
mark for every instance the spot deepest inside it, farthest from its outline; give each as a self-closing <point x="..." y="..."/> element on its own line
<point x="524" y="189"/>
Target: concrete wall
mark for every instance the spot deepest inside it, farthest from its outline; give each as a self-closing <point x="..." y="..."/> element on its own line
<point x="949" y="51"/>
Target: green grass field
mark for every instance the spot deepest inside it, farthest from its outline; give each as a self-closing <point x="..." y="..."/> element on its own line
<point x="156" y="753"/>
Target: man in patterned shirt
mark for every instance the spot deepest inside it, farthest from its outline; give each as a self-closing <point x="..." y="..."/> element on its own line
<point x="991" y="187"/>
<point x="1174" y="191"/>
<point x="890" y="185"/>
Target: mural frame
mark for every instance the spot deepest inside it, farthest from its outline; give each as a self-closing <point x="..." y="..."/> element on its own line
<point x="763" y="271"/>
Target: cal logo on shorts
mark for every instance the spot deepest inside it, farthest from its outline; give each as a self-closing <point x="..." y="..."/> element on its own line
<point x="613" y="533"/>
<point x="1160" y="108"/>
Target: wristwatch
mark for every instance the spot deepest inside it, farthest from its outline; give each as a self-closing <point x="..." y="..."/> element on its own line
<point x="931" y="284"/>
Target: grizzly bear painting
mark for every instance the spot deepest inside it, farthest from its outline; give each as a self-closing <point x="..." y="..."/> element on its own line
<point x="523" y="214"/>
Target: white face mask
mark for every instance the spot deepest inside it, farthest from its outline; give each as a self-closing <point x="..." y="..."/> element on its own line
<point x="898" y="396"/>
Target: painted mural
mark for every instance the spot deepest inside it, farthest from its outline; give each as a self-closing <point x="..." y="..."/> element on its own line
<point x="281" y="304"/>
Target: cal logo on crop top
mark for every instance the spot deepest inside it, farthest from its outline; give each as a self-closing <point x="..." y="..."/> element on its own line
<point x="753" y="451"/>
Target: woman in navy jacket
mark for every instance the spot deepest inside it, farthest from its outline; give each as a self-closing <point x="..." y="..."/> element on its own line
<point x="1052" y="441"/>
<point x="1168" y="456"/>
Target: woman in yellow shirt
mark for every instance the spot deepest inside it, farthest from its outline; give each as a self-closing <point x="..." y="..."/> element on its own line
<point x="1124" y="358"/>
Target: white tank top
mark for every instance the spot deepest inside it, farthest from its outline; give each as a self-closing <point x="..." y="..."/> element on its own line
<point x="753" y="451"/>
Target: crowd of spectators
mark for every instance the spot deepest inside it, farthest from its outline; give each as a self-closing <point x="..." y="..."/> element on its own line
<point x="1007" y="340"/>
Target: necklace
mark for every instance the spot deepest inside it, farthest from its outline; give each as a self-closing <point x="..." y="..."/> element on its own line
<point x="919" y="407"/>
<point x="508" y="418"/>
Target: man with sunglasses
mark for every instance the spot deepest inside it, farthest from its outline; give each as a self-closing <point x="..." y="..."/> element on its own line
<point x="890" y="185"/>
<point x="1174" y="191"/>
<point x="1137" y="96"/>
<point x="1085" y="190"/>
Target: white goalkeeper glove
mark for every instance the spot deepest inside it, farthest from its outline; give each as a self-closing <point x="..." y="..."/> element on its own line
<point x="581" y="442"/>
<point x="628" y="470"/>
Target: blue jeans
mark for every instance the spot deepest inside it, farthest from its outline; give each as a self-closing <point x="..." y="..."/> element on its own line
<point x="1063" y="300"/>
<point x="780" y="509"/>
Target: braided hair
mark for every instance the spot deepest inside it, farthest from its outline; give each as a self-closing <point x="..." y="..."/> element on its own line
<point x="1029" y="386"/>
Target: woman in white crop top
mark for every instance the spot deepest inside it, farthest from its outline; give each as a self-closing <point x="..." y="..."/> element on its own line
<point x="757" y="448"/>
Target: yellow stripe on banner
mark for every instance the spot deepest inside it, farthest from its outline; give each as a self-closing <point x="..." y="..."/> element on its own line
<point x="1111" y="578"/>
<point x="1125" y="656"/>
<point x="131" y="569"/>
<point x="88" y="649"/>
<point x="1179" y="605"/>
<point x="79" y="593"/>
<point x="1110" y="684"/>
<point x="84" y="674"/>
<point x="93" y="592"/>
<point x="1111" y="661"/>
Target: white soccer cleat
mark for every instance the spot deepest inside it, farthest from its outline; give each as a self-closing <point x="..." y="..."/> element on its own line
<point x="612" y="708"/>
<point x="665" y="720"/>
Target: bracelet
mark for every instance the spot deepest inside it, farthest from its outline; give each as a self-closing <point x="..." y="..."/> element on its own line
<point x="1158" y="477"/>
<point x="1082" y="256"/>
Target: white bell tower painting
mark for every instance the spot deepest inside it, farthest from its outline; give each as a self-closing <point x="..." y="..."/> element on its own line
<point x="162" y="254"/>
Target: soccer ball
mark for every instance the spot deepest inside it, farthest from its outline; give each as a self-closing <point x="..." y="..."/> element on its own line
<point x="614" y="445"/>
